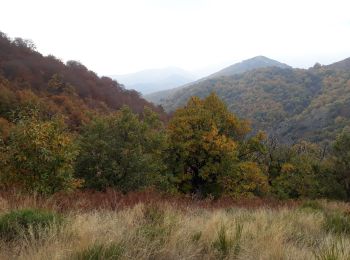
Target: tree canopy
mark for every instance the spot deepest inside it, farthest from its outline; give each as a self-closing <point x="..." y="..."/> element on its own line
<point x="204" y="141"/>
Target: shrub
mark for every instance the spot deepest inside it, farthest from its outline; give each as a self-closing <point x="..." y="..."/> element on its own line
<point x="101" y="252"/>
<point x="337" y="223"/>
<point x="40" y="156"/>
<point x="20" y="223"/>
<point x="311" y="205"/>
<point x="341" y="151"/>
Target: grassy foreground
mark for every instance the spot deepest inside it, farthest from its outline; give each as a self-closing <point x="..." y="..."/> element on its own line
<point x="162" y="230"/>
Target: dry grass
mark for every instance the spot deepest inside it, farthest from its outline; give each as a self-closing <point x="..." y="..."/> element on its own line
<point x="160" y="229"/>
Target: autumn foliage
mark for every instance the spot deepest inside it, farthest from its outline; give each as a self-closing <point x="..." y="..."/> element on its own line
<point x="30" y="80"/>
<point x="63" y="128"/>
<point x="39" y="157"/>
<point x="205" y="140"/>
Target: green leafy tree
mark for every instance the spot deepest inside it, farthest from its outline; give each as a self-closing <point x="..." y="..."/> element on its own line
<point x="204" y="148"/>
<point x="123" y="152"/>
<point x="302" y="171"/>
<point x="341" y="151"/>
<point x="39" y="156"/>
<point x="247" y="179"/>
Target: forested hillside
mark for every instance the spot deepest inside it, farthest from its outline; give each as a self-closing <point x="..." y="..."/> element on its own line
<point x="30" y="80"/>
<point x="63" y="128"/>
<point x="291" y="104"/>
<point x="257" y="62"/>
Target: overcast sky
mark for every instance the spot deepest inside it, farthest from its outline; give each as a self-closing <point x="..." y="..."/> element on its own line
<point x="116" y="37"/>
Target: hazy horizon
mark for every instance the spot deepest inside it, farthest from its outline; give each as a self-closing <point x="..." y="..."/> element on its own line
<point x="122" y="37"/>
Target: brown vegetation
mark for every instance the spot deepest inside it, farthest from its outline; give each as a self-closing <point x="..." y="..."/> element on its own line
<point x="29" y="79"/>
<point x="113" y="200"/>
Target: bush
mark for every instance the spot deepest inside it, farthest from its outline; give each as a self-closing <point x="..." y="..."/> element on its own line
<point x="20" y="223"/>
<point x="40" y="156"/>
<point x="311" y="205"/>
<point x="337" y="222"/>
<point x="101" y="252"/>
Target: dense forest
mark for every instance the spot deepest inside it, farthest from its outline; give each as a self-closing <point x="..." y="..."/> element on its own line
<point x="29" y="79"/>
<point x="254" y="63"/>
<point x="290" y="104"/>
<point x="63" y="128"/>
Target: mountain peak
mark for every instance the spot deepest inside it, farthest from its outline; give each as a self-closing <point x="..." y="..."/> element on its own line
<point x="248" y="65"/>
<point x="259" y="57"/>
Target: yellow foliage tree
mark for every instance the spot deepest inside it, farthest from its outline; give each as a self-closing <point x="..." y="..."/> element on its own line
<point x="204" y="146"/>
<point x="39" y="157"/>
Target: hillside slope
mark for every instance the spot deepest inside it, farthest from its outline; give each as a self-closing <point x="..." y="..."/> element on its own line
<point x="237" y="68"/>
<point x="291" y="104"/>
<point x="27" y="78"/>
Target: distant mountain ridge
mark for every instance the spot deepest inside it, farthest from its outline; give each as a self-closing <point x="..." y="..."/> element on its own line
<point x="291" y="104"/>
<point x="237" y="68"/>
<point x="148" y="81"/>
